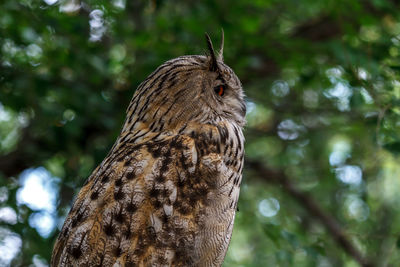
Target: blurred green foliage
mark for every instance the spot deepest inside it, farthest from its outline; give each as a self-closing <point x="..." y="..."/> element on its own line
<point x="323" y="90"/>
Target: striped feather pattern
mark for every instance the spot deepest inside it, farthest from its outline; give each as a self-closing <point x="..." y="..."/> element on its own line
<point x="167" y="192"/>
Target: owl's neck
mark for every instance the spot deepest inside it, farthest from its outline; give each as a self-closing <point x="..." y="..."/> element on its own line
<point x="137" y="131"/>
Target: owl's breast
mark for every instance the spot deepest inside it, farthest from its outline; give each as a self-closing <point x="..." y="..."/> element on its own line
<point x="160" y="203"/>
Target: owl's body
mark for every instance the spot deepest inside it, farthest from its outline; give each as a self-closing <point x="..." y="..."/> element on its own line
<point x="166" y="194"/>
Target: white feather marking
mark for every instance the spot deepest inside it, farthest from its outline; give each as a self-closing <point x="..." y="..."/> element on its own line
<point x="139" y="166"/>
<point x="172" y="196"/>
<point x="168" y="209"/>
<point x="156" y="222"/>
<point x="192" y="153"/>
<point x="169" y="255"/>
<point x="170" y="187"/>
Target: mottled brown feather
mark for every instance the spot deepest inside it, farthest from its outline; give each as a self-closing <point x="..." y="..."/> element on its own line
<point x="166" y="194"/>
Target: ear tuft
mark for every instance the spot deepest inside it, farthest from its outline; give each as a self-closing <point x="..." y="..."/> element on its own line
<point x="221" y="48"/>
<point x="213" y="62"/>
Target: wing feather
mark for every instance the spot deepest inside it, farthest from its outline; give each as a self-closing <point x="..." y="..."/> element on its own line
<point x="155" y="204"/>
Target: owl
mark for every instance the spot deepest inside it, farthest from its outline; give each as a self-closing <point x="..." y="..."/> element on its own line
<point x="167" y="192"/>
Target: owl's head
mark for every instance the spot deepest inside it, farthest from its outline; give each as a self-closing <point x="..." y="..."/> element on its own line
<point x="199" y="89"/>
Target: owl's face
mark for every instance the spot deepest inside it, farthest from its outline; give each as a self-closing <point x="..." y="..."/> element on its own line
<point x="188" y="89"/>
<point x="224" y="94"/>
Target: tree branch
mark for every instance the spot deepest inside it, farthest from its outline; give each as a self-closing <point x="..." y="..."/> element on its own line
<point x="333" y="227"/>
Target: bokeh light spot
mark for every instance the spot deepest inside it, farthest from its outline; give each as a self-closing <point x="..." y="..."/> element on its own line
<point x="269" y="207"/>
<point x="349" y="174"/>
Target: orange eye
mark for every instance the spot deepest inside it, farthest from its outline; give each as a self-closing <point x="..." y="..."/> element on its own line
<point x="220" y="90"/>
